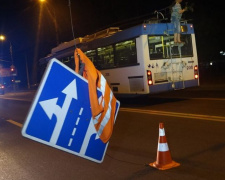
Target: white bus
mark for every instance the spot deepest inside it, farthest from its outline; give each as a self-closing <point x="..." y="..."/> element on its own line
<point x="139" y="60"/>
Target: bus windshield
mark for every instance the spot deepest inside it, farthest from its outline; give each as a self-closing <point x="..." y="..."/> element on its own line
<point x="159" y="47"/>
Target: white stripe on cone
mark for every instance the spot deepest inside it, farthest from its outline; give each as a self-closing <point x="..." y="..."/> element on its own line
<point x="161" y="132"/>
<point x="163" y="147"/>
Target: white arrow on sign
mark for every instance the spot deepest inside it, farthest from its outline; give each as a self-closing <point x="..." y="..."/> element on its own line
<point x="50" y="107"/>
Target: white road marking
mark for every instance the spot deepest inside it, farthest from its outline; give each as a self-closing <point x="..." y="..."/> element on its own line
<point x="15" y="99"/>
<point x="189" y="98"/>
<point x="209" y="99"/>
<point x="15" y="123"/>
<point x="174" y="114"/>
<point x="205" y="99"/>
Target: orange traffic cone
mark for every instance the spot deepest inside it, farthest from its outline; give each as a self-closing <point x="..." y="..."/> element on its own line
<point x="163" y="159"/>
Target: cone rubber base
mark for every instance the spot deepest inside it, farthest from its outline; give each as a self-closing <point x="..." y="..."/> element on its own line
<point x="173" y="164"/>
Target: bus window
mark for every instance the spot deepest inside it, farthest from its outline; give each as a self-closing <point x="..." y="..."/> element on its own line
<point x="92" y="55"/>
<point x="105" y="57"/>
<point x="69" y="61"/>
<point x="187" y="49"/>
<point x="126" y="53"/>
<point x="159" y="47"/>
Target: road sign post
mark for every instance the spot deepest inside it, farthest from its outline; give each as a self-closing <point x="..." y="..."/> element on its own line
<point x="60" y="115"/>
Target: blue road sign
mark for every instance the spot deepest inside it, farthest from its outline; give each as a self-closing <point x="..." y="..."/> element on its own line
<point x="60" y="115"/>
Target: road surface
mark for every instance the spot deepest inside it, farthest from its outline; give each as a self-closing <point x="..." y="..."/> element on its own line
<point x="195" y="128"/>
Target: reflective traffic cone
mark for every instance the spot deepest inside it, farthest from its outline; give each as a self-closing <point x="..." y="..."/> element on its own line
<point x="163" y="159"/>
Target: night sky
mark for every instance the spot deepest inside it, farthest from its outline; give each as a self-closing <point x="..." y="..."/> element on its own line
<point x="19" y="22"/>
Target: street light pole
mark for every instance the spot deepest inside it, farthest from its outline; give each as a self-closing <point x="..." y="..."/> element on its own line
<point x="27" y="72"/>
<point x="12" y="66"/>
<point x="11" y="52"/>
<point x="56" y="26"/>
<point x="3" y="38"/>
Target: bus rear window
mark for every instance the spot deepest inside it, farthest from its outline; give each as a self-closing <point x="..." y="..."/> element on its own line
<point x="159" y="47"/>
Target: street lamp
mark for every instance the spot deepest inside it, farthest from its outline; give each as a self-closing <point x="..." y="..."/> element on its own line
<point x="42" y="1"/>
<point x="3" y="38"/>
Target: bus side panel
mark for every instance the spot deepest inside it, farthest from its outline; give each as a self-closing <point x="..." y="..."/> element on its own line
<point x="143" y="57"/>
<point x="130" y="79"/>
<point x="120" y="79"/>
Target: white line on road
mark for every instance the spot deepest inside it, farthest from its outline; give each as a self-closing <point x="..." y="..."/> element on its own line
<point x="15" y="99"/>
<point x="190" y="98"/>
<point x="15" y="123"/>
<point x="209" y="99"/>
<point x="175" y="114"/>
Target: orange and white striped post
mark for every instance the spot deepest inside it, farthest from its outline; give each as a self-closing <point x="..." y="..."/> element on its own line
<point x="163" y="159"/>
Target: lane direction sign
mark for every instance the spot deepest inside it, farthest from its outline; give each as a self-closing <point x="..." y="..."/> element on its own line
<point x="60" y="115"/>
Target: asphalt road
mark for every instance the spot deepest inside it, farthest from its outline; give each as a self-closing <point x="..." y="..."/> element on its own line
<point x="195" y="128"/>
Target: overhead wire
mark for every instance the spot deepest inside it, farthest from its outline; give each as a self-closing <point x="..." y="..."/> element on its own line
<point x="71" y="20"/>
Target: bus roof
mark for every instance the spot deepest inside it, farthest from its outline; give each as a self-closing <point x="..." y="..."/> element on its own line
<point x="118" y="36"/>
